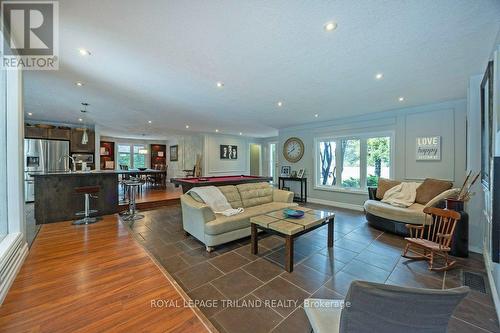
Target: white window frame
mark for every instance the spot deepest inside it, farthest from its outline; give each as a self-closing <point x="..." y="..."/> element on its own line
<point x="14" y="248"/>
<point x="363" y="137"/>
<point x="131" y="151"/>
<point x="143" y="146"/>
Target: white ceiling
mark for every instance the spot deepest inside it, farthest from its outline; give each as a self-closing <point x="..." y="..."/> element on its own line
<point x="160" y="60"/>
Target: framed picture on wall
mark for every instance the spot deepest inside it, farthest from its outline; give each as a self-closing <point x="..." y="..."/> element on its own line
<point x="486" y="125"/>
<point x="286" y="170"/>
<point x="301" y="173"/>
<point x="174" y="153"/>
<point x="228" y="152"/>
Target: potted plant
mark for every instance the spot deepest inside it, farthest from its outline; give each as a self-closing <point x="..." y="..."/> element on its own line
<point x="457" y="203"/>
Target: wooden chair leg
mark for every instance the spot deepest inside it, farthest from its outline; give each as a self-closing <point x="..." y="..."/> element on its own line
<point x="405" y="251"/>
<point x="408" y="249"/>
<point x="447" y="264"/>
<point x="431" y="261"/>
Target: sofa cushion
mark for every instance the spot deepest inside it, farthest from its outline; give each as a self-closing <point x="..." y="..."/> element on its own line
<point x="232" y="195"/>
<point x="451" y="193"/>
<point x="412" y="215"/>
<point x="385" y="184"/>
<point x="430" y="188"/>
<point x="254" y="194"/>
<point x="223" y="224"/>
<point x="229" y="191"/>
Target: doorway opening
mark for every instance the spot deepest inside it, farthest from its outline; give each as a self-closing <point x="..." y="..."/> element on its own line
<point x="273" y="162"/>
<point x="255" y="159"/>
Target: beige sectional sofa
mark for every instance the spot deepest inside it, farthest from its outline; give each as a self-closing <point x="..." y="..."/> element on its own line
<point x="215" y="229"/>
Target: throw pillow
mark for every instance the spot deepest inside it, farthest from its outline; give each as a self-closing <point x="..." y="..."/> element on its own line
<point x="385" y="184"/>
<point x="430" y="188"/>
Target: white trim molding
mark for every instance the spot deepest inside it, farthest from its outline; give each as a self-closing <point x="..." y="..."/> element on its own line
<point x="491" y="280"/>
<point x="16" y="250"/>
<point x="338" y="204"/>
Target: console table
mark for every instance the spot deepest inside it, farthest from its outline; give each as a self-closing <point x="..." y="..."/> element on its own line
<point x="303" y="187"/>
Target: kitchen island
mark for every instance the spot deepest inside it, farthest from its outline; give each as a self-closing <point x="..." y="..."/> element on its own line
<point x="56" y="199"/>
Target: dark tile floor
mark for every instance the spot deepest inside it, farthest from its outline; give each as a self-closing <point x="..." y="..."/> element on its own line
<point x="233" y="273"/>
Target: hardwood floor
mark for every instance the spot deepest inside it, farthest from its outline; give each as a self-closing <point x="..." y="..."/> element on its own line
<point x="92" y="278"/>
<point x="153" y="197"/>
<point x="154" y="194"/>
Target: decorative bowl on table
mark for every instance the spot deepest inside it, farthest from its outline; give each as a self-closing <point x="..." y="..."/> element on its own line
<point x="142" y="169"/>
<point x="293" y="213"/>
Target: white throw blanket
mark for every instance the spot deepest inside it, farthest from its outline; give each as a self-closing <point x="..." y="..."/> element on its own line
<point x="402" y="195"/>
<point x="214" y="198"/>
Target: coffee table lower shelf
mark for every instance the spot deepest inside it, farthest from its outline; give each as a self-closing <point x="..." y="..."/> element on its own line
<point x="289" y="237"/>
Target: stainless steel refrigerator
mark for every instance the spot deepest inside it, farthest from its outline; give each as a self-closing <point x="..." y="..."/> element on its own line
<point x="43" y="156"/>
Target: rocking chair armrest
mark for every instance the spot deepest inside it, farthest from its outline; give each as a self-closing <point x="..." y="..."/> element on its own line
<point x="441" y="235"/>
<point x="416" y="231"/>
<point x="413" y="226"/>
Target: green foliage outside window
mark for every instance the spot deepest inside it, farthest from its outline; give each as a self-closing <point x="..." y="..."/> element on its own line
<point x="378" y="153"/>
<point x="139" y="161"/>
<point x="351" y="182"/>
<point x="124" y="159"/>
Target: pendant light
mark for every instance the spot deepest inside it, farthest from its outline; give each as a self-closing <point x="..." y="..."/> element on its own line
<point x="85" y="136"/>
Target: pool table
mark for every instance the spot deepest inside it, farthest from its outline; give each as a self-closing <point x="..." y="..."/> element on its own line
<point x="189" y="183"/>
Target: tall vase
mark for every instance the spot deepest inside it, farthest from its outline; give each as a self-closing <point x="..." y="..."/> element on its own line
<point x="460" y="240"/>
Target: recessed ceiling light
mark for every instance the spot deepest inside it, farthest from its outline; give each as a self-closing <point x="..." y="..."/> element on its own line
<point x="187" y="126"/>
<point x="216" y="131"/>
<point x="401" y="99"/>
<point x="330" y="26"/>
<point x="30" y="113"/>
<point x="80" y="119"/>
<point x="150" y="121"/>
<point x="79" y="83"/>
<point x="220" y="84"/>
<point x="241" y="133"/>
<point x="84" y="52"/>
<point x="379" y="76"/>
<point x="279" y="104"/>
<point x="316" y="115"/>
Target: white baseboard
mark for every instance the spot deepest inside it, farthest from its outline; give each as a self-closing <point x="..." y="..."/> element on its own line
<point x="475" y="249"/>
<point x="338" y="204"/>
<point x="493" y="287"/>
<point x="11" y="262"/>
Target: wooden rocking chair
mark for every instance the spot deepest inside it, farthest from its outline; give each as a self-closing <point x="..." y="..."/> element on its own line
<point x="435" y="240"/>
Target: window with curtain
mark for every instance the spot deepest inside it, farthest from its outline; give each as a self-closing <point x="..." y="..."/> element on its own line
<point x="353" y="162"/>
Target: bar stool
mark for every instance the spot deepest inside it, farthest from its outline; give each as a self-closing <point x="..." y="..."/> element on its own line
<point x="89" y="192"/>
<point x="132" y="186"/>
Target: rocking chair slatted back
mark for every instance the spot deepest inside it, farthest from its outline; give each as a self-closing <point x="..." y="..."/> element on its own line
<point x="443" y="226"/>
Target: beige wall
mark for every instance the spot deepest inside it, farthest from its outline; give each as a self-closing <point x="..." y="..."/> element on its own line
<point x="189" y="147"/>
<point x="446" y="119"/>
<point x="214" y="166"/>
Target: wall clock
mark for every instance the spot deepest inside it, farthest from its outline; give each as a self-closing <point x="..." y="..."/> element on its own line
<point x="293" y="150"/>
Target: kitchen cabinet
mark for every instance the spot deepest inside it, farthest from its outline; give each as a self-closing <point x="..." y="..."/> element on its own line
<point x="76" y="141"/>
<point x="32" y="132"/>
<point x="59" y="134"/>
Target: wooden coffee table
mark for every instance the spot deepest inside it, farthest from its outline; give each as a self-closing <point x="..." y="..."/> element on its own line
<point x="290" y="228"/>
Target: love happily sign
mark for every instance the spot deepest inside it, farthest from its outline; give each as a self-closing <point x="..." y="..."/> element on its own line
<point x="429" y="148"/>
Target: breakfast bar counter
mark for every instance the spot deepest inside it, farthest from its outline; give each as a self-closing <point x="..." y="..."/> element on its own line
<point x="56" y="199"/>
